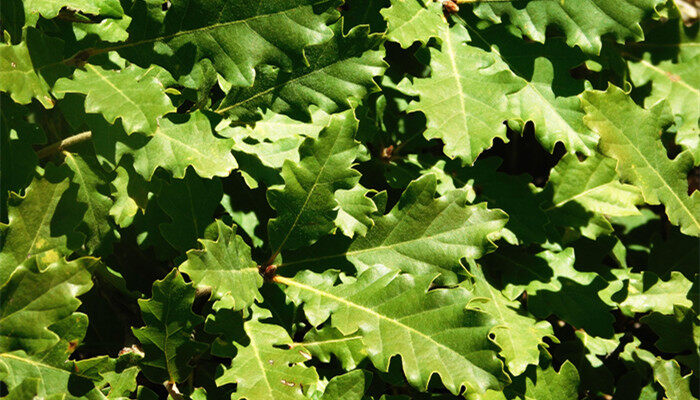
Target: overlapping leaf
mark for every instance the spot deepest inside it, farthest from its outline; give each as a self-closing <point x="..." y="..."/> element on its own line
<point x="583" y="22"/>
<point x="35" y="227"/>
<point x="178" y="142"/>
<point x="224" y="32"/>
<point x="674" y="79"/>
<point x="51" y="8"/>
<point x="129" y="93"/>
<point x="169" y="323"/>
<point x="397" y="315"/>
<point x="421" y="234"/>
<point x="225" y="266"/>
<point x="465" y="98"/>
<point x="44" y="294"/>
<point x="305" y="205"/>
<point x="630" y="134"/>
<point x="339" y="70"/>
<point x="519" y="335"/>
<point x="29" y="69"/>
<point x="262" y="370"/>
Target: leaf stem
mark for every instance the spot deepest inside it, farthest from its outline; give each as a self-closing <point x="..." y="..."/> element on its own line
<point x="60" y="145"/>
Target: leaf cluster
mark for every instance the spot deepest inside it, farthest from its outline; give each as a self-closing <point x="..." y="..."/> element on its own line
<point x="349" y="200"/>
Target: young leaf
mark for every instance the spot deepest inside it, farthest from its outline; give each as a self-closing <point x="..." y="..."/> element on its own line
<point x="166" y="337"/>
<point x="668" y="374"/>
<point x="355" y="212"/>
<point x="630" y="134"/>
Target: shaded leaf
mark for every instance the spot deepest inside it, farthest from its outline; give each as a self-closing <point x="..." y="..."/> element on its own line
<point x="169" y="323"/>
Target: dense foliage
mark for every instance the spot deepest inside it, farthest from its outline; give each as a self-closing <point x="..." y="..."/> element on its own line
<point x="376" y="199"/>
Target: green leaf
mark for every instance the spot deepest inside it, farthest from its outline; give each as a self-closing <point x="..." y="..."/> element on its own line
<point x="125" y="206"/>
<point x="225" y="32"/>
<point x="109" y="30"/>
<point x="55" y="382"/>
<point x="38" y="295"/>
<point x="29" y="69"/>
<point x="678" y="332"/>
<point x="92" y="181"/>
<point x="410" y="21"/>
<point x="41" y="223"/>
<point x="668" y="374"/>
<point x="19" y="158"/>
<point x="518" y="334"/>
<point x="646" y="292"/>
<point x="225" y="266"/>
<point x="397" y="315"/>
<point x="584" y="195"/>
<point x="264" y="370"/>
<point x="350" y="386"/>
<point x="421" y="234"/>
<point x="674" y="80"/>
<point x="327" y="341"/>
<point x="514" y="194"/>
<point x="271" y="141"/>
<point x="305" y="205"/>
<point x="544" y="384"/>
<point x="355" y="212"/>
<point x="554" y="286"/>
<point x="179" y="142"/>
<point x="190" y="204"/>
<point x="583" y="22"/>
<point x="548" y="94"/>
<point x="50" y="8"/>
<point x="129" y="93"/>
<point x="339" y="70"/>
<point x="630" y="134"/>
<point x="169" y="323"/>
<point x="28" y="389"/>
<point x="594" y="185"/>
<point x="465" y="98"/>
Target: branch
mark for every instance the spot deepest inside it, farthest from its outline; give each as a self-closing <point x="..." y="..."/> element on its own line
<point x="67" y="142"/>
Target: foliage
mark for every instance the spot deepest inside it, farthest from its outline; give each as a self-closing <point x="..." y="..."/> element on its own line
<point x="349" y="200"/>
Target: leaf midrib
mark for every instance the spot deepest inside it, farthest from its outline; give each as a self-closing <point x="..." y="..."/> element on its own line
<point x="291" y="282"/>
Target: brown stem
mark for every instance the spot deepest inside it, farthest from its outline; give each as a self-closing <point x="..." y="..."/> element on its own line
<point x="67" y="142"/>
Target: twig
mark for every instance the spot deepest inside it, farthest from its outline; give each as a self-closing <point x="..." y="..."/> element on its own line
<point x="67" y="142"/>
